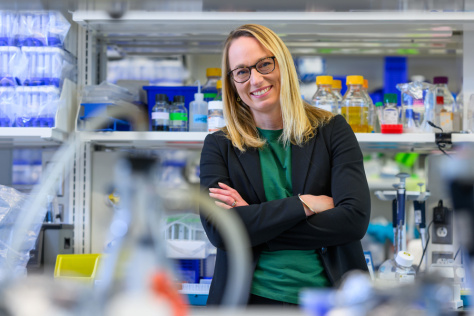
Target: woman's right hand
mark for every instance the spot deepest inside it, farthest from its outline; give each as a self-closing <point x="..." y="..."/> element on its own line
<point x="318" y="203"/>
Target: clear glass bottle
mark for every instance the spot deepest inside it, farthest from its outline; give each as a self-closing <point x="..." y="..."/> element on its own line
<point x="445" y="105"/>
<point x="336" y="90"/>
<point x="160" y="114"/>
<point x="178" y="115"/>
<point x="355" y="108"/>
<point x="215" y="117"/>
<point x="324" y="98"/>
<point x="198" y="112"/>
<point x="390" y="110"/>
<point x="210" y="87"/>
<point x="219" y="91"/>
<point x="372" y="117"/>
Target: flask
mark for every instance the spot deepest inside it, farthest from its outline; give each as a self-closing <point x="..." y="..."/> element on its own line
<point x="372" y="117"/>
<point x="354" y="106"/>
<point x="178" y="115"/>
<point x="215" y="117"/>
<point x="336" y="90"/>
<point x="198" y="112"/>
<point x="324" y="98"/>
<point x="398" y="270"/>
<point x="219" y="91"/>
<point x="160" y="114"/>
<point x="444" y="104"/>
<point x="210" y="87"/>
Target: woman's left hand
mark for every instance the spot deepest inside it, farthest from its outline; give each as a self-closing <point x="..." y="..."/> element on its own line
<point x="229" y="197"/>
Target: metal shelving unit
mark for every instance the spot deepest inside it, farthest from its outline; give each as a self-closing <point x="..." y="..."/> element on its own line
<point x="159" y="33"/>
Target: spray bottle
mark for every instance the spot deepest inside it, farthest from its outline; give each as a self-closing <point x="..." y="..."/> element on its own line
<point x="198" y="112"/>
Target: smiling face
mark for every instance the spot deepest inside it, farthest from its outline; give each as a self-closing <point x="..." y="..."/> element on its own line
<point x="261" y="92"/>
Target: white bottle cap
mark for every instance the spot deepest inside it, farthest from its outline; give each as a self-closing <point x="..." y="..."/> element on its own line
<point x="216" y="105"/>
<point x="405" y="259"/>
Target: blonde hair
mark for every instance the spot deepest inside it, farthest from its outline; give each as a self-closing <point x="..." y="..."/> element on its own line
<point x="300" y="119"/>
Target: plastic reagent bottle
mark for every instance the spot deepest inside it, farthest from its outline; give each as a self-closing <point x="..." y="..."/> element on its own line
<point x="372" y="117"/>
<point x="215" y="117"/>
<point x="160" y="114"/>
<point x="178" y="115"/>
<point x="219" y="91"/>
<point x="336" y="90"/>
<point x="355" y="108"/>
<point x="210" y="87"/>
<point x="198" y="112"/>
<point x="390" y="111"/>
<point x="399" y="270"/>
<point x="445" y="106"/>
<point x="324" y="98"/>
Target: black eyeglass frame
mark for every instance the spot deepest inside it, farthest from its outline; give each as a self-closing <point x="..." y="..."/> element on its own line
<point x="230" y="73"/>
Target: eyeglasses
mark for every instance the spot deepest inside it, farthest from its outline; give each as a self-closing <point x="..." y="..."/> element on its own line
<point x="263" y="66"/>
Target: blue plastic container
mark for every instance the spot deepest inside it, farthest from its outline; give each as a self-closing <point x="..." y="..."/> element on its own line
<point x="189" y="270"/>
<point x="186" y="91"/>
<point x="92" y="109"/>
<point x="197" y="299"/>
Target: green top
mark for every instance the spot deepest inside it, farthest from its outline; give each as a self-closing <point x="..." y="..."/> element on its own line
<point x="280" y="275"/>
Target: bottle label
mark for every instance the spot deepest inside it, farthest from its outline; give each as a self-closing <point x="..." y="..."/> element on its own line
<point x="326" y="107"/>
<point x="390" y="117"/>
<point x="199" y="118"/>
<point x="440" y="100"/>
<point x="209" y="96"/>
<point x="178" y="116"/>
<point x="215" y="123"/>
<point x="446" y="121"/>
<point x="418" y="103"/>
<point x="160" y="116"/>
<point x="406" y="278"/>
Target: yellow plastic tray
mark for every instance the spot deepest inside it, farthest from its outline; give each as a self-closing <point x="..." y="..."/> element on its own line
<point x="77" y="267"/>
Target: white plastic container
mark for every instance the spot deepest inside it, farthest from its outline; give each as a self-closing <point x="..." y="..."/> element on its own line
<point x="215" y="116"/>
<point x="399" y="270"/>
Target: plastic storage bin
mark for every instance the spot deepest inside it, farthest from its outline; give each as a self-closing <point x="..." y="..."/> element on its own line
<point x="78" y="267"/>
<point x="187" y="91"/>
<point x="189" y="270"/>
<point x="197" y="293"/>
<point x="92" y="109"/>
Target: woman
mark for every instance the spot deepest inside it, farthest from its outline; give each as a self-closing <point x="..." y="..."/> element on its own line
<point x="274" y="148"/>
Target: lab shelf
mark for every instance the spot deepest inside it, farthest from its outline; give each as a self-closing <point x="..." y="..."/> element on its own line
<point x="422" y="142"/>
<point x="31" y="137"/>
<point x="374" y="33"/>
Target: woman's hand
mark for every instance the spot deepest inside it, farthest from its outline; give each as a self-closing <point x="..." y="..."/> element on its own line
<point x="229" y="197"/>
<point x="318" y="203"/>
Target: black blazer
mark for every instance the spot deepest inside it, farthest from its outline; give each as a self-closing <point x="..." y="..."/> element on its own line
<point x="329" y="164"/>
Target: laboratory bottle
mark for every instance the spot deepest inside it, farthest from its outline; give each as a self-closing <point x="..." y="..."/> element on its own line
<point x="219" y="91"/>
<point x="160" y="114"/>
<point x="372" y="116"/>
<point x="324" y="98"/>
<point x="210" y="87"/>
<point x="336" y="90"/>
<point x="445" y="105"/>
<point x="355" y="108"/>
<point x="198" y="112"/>
<point x="215" y="117"/>
<point x="178" y="115"/>
<point x="390" y="109"/>
<point x="398" y="270"/>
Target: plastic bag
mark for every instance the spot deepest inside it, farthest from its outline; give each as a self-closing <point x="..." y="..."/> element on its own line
<point x="11" y="202"/>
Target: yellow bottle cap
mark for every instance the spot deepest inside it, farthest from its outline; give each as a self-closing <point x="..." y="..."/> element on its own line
<point x="324" y="80"/>
<point x="213" y="72"/>
<point x="366" y="84"/>
<point x="354" y="80"/>
<point x="219" y="84"/>
<point x="336" y="84"/>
